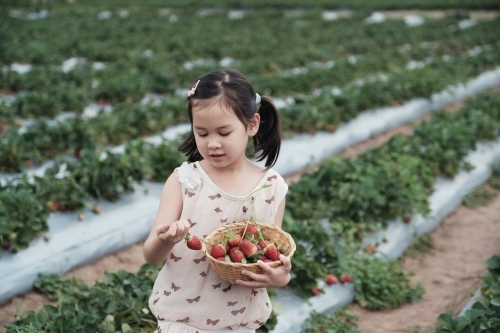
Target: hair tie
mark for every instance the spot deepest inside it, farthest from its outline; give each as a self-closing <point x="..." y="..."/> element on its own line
<point x="257" y="98"/>
<point x="193" y="89"/>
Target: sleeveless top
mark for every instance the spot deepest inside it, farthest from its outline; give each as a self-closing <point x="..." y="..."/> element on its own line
<point x="187" y="289"/>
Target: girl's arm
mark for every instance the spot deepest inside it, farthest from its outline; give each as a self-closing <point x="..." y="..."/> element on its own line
<point x="272" y="277"/>
<point x="160" y="241"/>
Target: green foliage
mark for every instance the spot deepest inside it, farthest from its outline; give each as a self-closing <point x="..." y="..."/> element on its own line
<point x="479" y="197"/>
<point x="484" y="316"/>
<point x="120" y="301"/>
<point x="24" y="329"/>
<point x="381" y="284"/>
<point x="341" y="321"/>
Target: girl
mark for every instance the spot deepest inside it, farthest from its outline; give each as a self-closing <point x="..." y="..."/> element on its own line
<point x="188" y="295"/>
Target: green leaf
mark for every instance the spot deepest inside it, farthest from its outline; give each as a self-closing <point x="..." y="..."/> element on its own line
<point x="446" y="320"/>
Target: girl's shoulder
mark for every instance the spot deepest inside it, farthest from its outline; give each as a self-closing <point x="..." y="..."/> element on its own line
<point x="189" y="176"/>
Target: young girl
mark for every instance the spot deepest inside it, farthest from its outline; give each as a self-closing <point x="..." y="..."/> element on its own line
<point x="200" y="196"/>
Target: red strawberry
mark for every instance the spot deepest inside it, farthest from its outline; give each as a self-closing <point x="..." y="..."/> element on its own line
<point x="407" y="218"/>
<point x="217" y="251"/>
<point x="228" y="247"/>
<point x="370" y="249"/>
<point x="234" y="239"/>
<point x="251" y="229"/>
<point x="315" y="291"/>
<point x="346" y="278"/>
<point x="331" y="279"/>
<point x="248" y="248"/>
<point x="221" y="258"/>
<point x="271" y="252"/>
<point x="262" y="243"/>
<point x="236" y="255"/>
<point x="193" y="242"/>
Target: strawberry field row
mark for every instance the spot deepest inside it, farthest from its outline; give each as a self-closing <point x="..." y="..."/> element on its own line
<point x="461" y="132"/>
<point x="324" y="111"/>
<point x="129" y="74"/>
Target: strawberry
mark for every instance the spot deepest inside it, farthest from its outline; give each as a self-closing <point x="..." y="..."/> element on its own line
<point x="234" y="239"/>
<point x="55" y="206"/>
<point x="236" y="255"/>
<point x="407" y="218"/>
<point x="248" y="248"/>
<point x="262" y="243"/>
<point x="315" y="291"/>
<point x="193" y="242"/>
<point x="331" y="279"/>
<point x="271" y="252"/>
<point x="218" y="251"/>
<point x="251" y="229"/>
<point x="223" y="258"/>
<point x="370" y="249"/>
<point x="345" y="278"/>
<point x="228" y="247"/>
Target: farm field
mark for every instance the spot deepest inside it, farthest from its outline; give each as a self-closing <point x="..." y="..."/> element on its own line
<point x="81" y="120"/>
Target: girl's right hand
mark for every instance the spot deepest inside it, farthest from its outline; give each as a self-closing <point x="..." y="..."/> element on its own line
<point x="173" y="232"/>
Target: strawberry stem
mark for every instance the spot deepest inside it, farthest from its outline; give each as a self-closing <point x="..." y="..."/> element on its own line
<point x="248" y="196"/>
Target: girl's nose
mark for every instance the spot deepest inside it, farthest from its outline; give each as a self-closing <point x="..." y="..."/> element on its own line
<point x="214" y="144"/>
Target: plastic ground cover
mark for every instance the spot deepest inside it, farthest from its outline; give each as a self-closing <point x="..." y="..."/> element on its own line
<point x="121" y="224"/>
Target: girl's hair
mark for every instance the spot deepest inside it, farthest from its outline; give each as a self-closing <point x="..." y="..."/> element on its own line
<point x="237" y="94"/>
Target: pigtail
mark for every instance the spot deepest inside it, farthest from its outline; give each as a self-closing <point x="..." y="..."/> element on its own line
<point x="189" y="149"/>
<point x="267" y="141"/>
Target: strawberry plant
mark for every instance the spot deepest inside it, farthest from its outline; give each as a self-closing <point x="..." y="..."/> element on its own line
<point x="118" y="302"/>
<point x="341" y="320"/>
<point x="15" y="209"/>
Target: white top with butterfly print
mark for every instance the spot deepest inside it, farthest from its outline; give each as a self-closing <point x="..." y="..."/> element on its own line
<point x="187" y="290"/>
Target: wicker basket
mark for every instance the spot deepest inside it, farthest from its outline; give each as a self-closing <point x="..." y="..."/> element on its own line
<point x="232" y="271"/>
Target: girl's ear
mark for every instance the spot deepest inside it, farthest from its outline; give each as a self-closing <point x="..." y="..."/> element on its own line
<point x="253" y="125"/>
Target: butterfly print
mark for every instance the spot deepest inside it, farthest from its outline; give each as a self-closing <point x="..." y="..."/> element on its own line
<point x="244" y="209"/>
<point x="217" y="210"/>
<point x="260" y="323"/>
<point x="191" y="224"/>
<point x="196" y="299"/>
<point x="243" y="325"/>
<point x="231" y="303"/>
<point x="213" y="197"/>
<point x="255" y="292"/>
<point x="223" y="221"/>
<point x="267" y="304"/>
<point x="215" y="286"/>
<point x="156" y="293"/>
<point x="229" y="328"/>
<point x="272" y="177"/>
<point x="194" y="166"/>
<point x="174" y="258"/>
<point x="235" y="312"/>
<point x="197" y="261"/>
<point x="166" y="293"/>
<point x="212" y="322"/>
<point x="227" y="289"/>
<point x="156" y="301"/>
<point x="190" y="194"/>
<point x="270" y="200"/>
<point x="203" y="274"/>
<point x="185" y="320"/>
<point x="160" y="318"/>
<point x="174" y="287"/>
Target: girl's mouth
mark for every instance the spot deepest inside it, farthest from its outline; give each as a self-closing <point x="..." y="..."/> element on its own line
<point x="217" y="157"/>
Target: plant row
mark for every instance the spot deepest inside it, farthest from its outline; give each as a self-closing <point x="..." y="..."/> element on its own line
<point x="40" y="141"/>
<point x="367" y="192"/>
<point x="129" y="74"/>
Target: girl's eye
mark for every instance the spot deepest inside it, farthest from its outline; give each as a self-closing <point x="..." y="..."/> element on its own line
<point x="202" y="135"/>
<point x="225" y="134"/>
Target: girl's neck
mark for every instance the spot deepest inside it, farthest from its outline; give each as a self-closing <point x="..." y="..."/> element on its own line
<point x="237" y="180"/>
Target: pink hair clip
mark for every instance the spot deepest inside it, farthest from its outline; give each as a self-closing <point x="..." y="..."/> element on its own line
<point x="193" y="90"/>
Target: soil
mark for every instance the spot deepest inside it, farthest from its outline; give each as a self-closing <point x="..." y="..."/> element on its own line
<point x="464" y="241"/>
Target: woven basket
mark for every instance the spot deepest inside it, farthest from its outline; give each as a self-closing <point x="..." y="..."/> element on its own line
<point x="232" y="271"/>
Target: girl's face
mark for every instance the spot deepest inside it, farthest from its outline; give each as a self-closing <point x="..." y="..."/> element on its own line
<point x="221" y="138"/>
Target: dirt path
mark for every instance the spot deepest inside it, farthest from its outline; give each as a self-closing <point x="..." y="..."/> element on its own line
<point x="131" y="258"/>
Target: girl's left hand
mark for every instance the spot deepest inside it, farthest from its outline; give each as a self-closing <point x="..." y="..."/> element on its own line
<point x="271" y="277"/>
